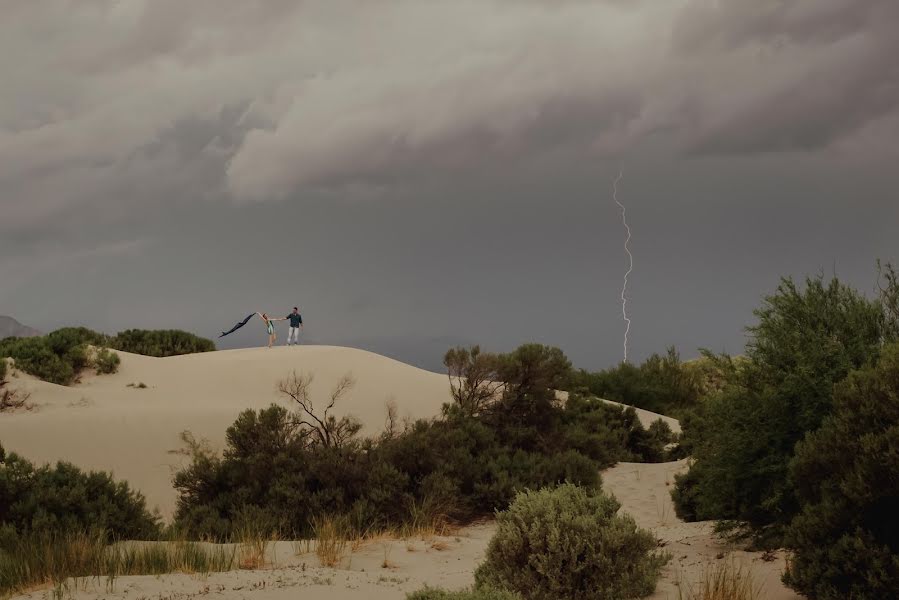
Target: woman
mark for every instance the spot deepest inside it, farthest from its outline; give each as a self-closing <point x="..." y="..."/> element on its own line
<point x="270" y="327"/>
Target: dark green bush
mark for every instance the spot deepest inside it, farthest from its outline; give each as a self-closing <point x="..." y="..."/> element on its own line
<point x="459" y="467"/>
<point x="160" y="342"/>
<point x="570" y="543"/>
<point x="742" y="440"/>
<point x="36" y="357"/>
<point x="474" y="594"/>
<point x="54" y="499"/>
<point x="59" y="357"/>
<point x="3" y="366"/>
<point x="845" y="540"/>
<point x="661" y="384"/>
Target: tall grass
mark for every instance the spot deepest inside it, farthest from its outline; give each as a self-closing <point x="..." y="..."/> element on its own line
<point x="725" y="580"/>
<point x="330" y="539"/>
<point x="35" y="561"/>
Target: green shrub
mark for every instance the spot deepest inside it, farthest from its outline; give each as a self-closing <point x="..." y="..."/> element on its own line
<point x="107" y="361"/>
<point x="662" y="384"/>
<point x="58" y="357"/>
<point x="160" y="342"/>
<point x="743" y="439"/>
<point x="569" y="543"/>
<point x="466" y="464"/>
<point x="52" y="499"/>
<point x="429" y="593"/>
<point x="36" y="357"/>
<point x="845" y="540"/>
<point x="3" y="367"/>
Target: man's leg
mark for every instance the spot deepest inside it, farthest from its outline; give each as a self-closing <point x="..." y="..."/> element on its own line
<point x="289" y="334"/>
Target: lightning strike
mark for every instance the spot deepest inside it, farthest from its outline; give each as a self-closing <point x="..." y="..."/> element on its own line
<point x="630" y="257"/>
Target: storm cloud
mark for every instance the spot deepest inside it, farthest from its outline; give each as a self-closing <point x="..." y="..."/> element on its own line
<point x="129" y="126"/>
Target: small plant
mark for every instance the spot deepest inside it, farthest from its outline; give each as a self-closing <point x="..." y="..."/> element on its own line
<point x="330" y="536"/>
<point x="723" y="580"/>
<point x="106" y="361"/>
<point x="386" y="563"/>
<point x="569" y="542"/>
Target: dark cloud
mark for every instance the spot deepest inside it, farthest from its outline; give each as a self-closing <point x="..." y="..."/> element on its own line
<point x="411" y="172"/>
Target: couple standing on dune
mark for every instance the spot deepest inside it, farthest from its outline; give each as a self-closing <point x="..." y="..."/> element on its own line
<point x="293" y="334"/>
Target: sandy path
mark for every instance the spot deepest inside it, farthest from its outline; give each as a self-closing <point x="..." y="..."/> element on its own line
<point x="644" y="492"/>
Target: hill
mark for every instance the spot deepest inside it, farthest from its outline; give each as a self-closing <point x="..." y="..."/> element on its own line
<point x="9" y="327"/>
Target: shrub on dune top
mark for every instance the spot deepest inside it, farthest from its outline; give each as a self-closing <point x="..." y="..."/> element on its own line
<point x="570" y="543"/>
<point x="160" y="342"/>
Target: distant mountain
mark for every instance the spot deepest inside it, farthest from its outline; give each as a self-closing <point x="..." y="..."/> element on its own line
<point x="9" y="327"/>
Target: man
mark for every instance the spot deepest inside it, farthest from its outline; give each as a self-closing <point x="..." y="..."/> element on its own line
<point x="296" y="324"/>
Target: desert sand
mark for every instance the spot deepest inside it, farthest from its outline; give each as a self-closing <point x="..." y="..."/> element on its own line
<point x="102" y="423"/>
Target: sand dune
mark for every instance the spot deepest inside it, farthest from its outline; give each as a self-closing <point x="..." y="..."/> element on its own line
<point x="102" y="423"/>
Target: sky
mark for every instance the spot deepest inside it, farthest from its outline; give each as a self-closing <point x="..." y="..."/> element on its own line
<point x="421" y="174"/>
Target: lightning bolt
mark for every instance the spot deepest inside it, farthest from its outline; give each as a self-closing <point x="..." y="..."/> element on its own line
<point x="630" y="257"/>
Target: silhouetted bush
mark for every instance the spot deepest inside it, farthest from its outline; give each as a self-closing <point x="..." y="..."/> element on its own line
<point x="62" y="498"/>
<point x="845" y="540"/>
<point x="569" y="543"/>
<point x="160" y="342"/>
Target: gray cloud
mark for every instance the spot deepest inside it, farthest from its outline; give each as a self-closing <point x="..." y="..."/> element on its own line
<point x="341" y="93"/>
<point x="470" y="143"/>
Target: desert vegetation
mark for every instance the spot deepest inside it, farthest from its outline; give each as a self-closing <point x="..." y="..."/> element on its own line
<point x="62" y="355"/>
<point x="662" y="383"/>
<point x="456" y="468"/>
<point x="569" y="542"/>
<point x="794" y="448"/>
<point x="160" y="342"/>
<point x="793" y="445"/>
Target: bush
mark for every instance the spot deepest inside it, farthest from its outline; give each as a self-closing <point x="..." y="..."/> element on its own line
<point x="456" y="468"/>
<point x="661" y="384"/>
<point x="845" y="540"/>
<point x="569" y="543"/>
<point x="160" y="342"/>
<point x="50" y="500"/>
<point x="743" y="439"/>
<point x="3" y="366"/>
<point x="58" y="357"/>
<point x="107" y="362"/>
<point x="473" y="594"/>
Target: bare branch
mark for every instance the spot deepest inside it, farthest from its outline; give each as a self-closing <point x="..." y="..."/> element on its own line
<point x="323" y="428"/>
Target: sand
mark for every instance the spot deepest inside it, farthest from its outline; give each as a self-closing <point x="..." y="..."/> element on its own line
<point x="102" y="423"/>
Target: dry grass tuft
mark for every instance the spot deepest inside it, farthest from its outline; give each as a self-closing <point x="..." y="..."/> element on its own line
<point x="331" y="542"/>
<point x="723" y="580"/>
